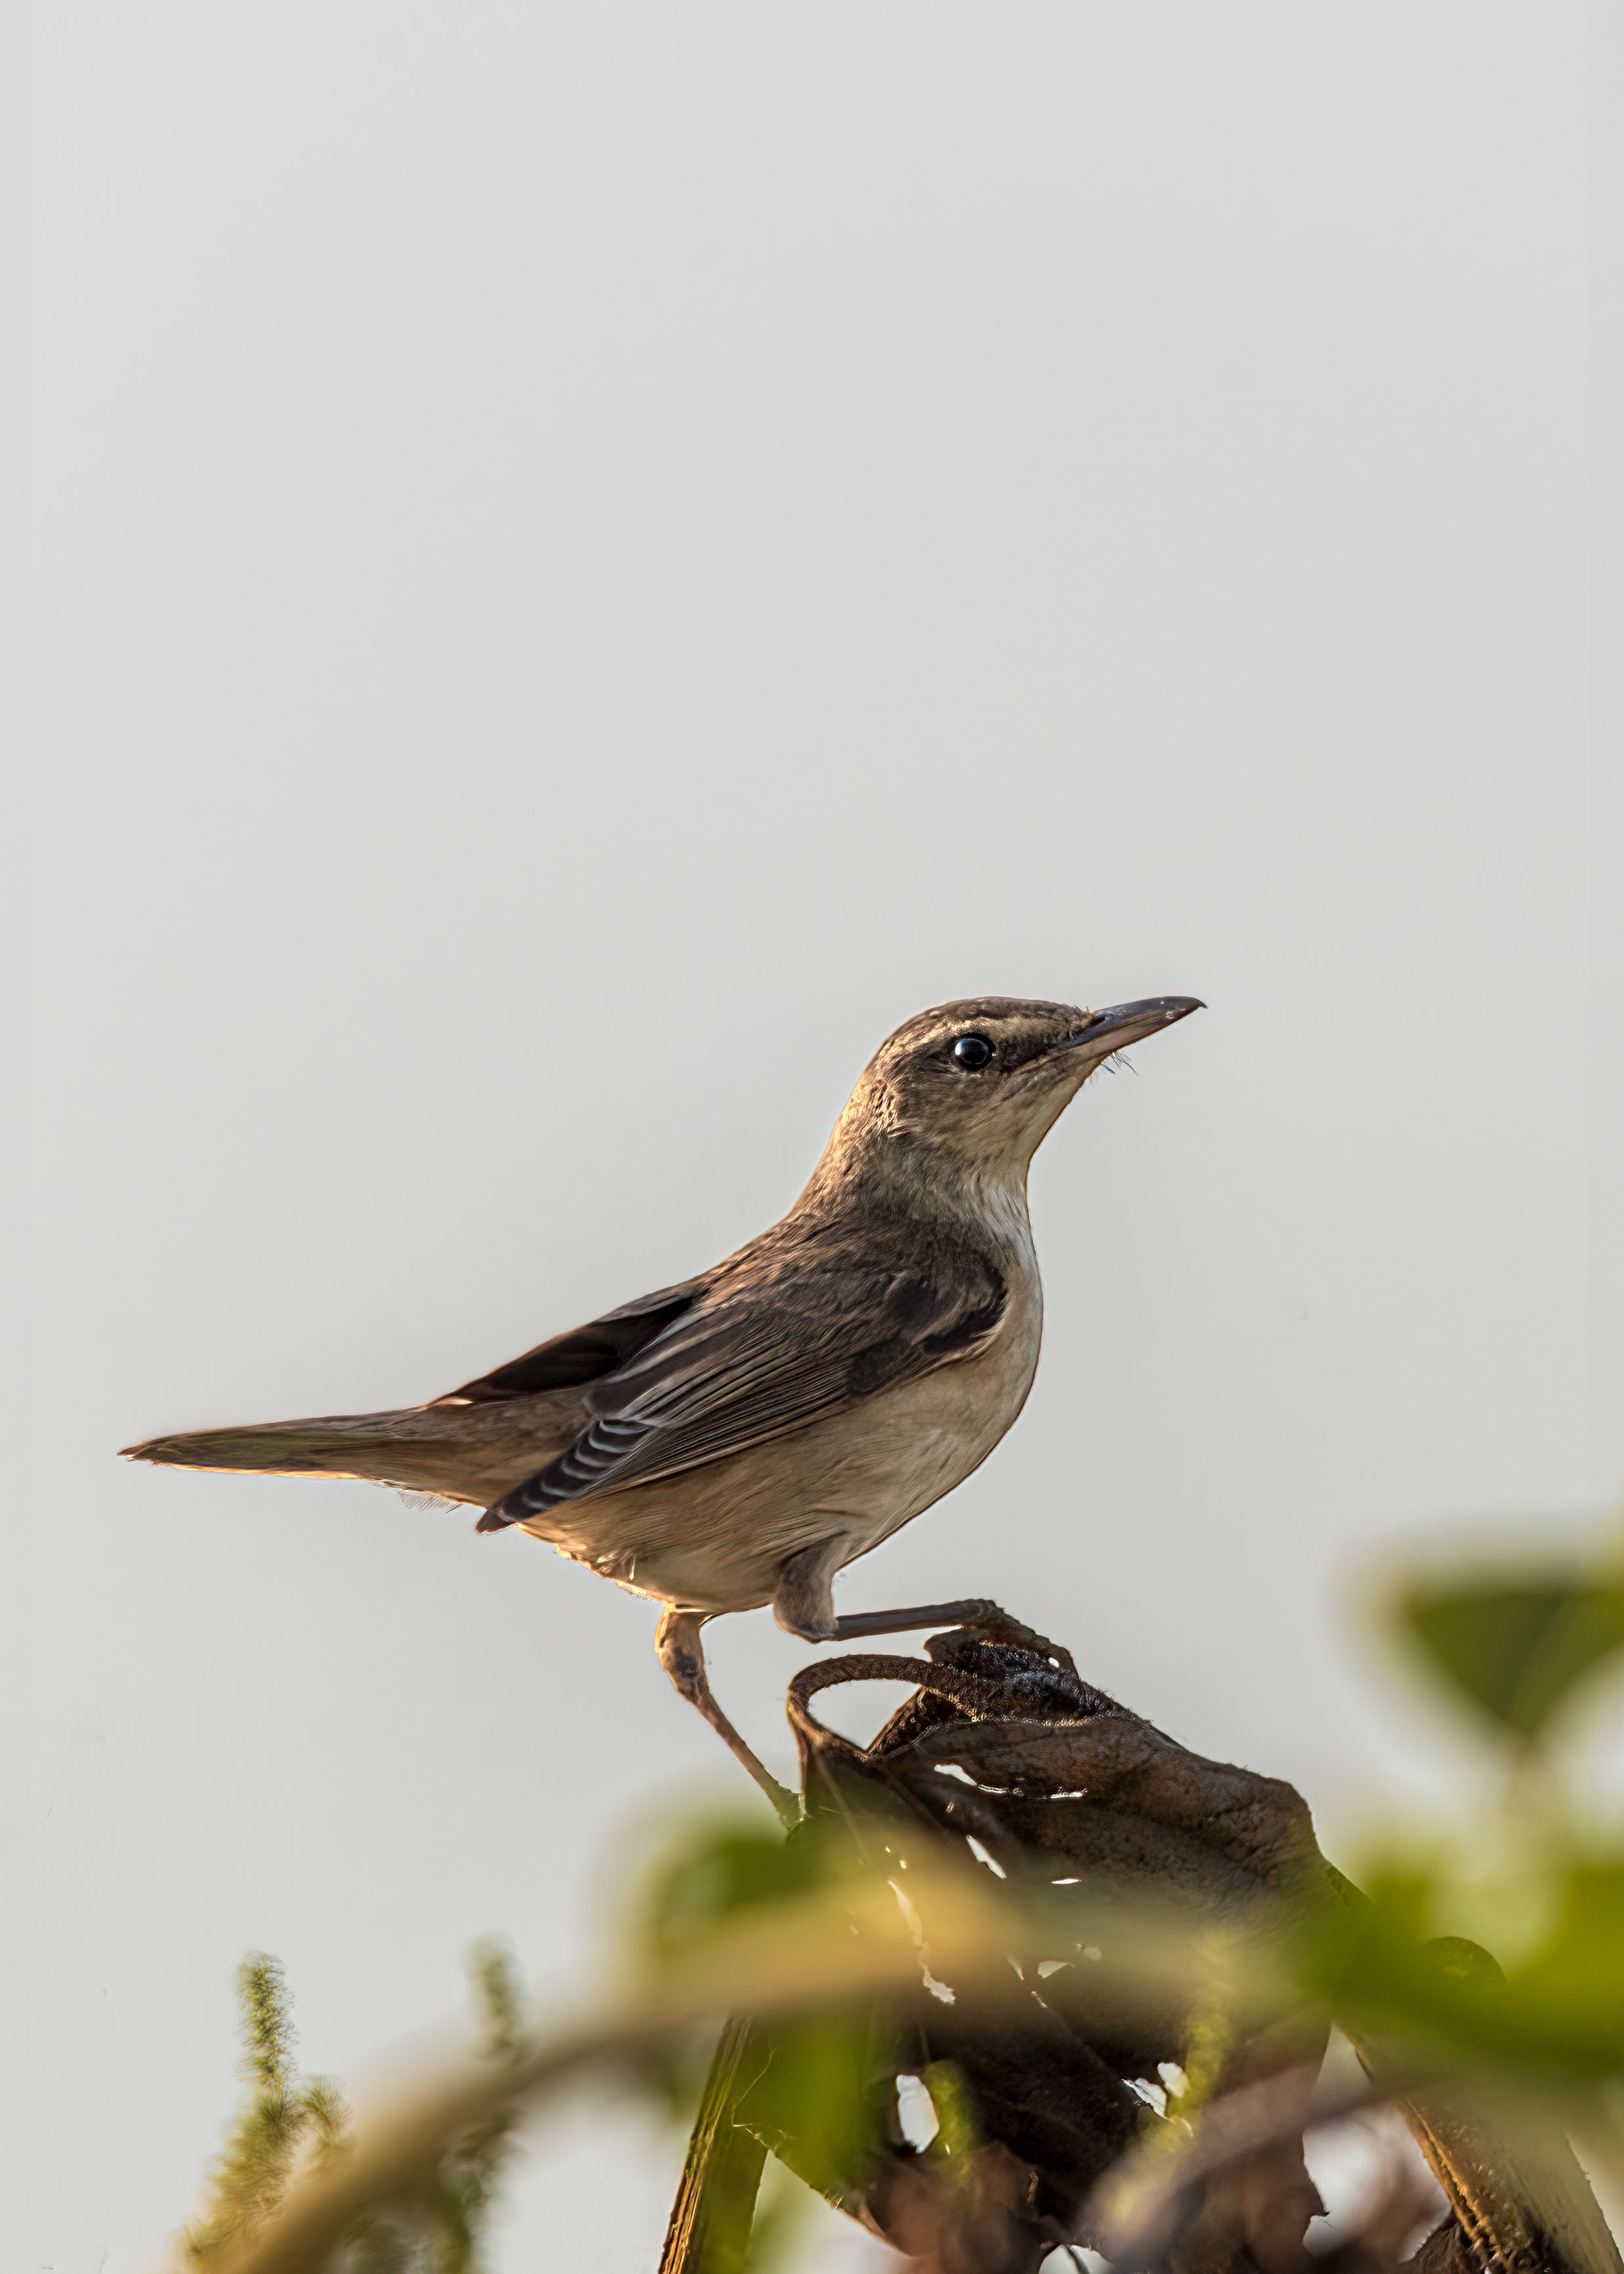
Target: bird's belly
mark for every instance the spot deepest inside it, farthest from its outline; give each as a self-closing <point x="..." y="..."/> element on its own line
<point x="714" y="1538"/>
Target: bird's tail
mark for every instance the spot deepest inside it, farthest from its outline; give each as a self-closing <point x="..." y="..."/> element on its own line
<point x="393" y="1448"/>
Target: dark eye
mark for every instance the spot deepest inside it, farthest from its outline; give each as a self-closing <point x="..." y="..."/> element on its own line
<point x="973" y="1052"/>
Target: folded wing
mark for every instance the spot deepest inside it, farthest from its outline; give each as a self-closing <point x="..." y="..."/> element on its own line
<point x="733" y="1370"/>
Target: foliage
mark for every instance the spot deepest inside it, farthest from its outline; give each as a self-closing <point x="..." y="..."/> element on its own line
<point x="1519" y="1645"/>
<point x="440" y="2228"/>
<point x="821" y="1943"/>
<point x="286" y="2120"/>
<point x="292" y="2126"/>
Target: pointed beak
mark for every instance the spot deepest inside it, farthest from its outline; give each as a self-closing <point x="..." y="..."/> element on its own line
<point x="1103" y="1032"/>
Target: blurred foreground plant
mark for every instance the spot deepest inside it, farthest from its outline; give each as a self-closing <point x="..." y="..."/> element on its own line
<point x="295" y="2127"/>
<point x="1519" y="1643"/>
<point x="1030" y="1975"/>
<point x="288" y="2120"/>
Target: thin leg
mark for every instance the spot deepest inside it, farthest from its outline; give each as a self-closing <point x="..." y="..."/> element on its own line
<point x="971" y="1611"/>
<point x="682" y="1655"/>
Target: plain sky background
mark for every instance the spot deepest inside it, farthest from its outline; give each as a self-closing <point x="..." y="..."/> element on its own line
<point x="591" y="560"/>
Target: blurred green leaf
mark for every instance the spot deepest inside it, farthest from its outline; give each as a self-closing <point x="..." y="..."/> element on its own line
<point x="1558" y="2013"/>
<point x="816" y="2097"/>
<point x="719" y="1870"/>
<point x="1572" y="1983"/>
<point x="1517" y="1648"/>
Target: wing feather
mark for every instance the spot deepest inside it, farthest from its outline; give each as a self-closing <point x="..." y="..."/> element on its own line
<point x="738" y="1367"/>
<point x="581" y="1355"/>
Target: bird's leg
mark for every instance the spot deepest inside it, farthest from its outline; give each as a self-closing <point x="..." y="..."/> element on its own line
<point x="804" y="1603"/>
<point x="969" y="1611"/>
<point x="682" y="1655"/>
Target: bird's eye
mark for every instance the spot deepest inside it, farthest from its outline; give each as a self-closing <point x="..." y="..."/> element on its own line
<point x="972" y="1052"/>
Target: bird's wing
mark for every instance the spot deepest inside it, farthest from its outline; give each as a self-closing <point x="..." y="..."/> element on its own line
<point x="583" y="1353"/>
<point x="759" y="1363"/>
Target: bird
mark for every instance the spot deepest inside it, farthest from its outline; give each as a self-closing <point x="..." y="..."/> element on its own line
<point x="738" y="1439"/>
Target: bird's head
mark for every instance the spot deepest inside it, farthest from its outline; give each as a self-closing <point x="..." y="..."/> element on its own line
<point x="985" y="1080"/>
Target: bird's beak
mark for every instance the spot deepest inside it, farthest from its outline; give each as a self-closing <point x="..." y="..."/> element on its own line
<point x="1113" y="1029"/>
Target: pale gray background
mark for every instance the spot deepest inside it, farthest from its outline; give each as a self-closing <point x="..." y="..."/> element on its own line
<point x="591" y="560"/>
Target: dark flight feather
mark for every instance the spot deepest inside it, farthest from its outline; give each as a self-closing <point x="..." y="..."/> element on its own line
<point x="564" y="1361"/>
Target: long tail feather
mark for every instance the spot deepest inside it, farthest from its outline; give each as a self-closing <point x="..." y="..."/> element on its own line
<point x="473" y="1453"/>
<point x="377" y="1447"/>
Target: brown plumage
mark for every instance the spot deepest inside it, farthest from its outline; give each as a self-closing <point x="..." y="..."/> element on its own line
<point x="737" y="1438"/>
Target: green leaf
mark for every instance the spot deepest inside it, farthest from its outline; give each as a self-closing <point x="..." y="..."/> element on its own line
<point x="813" y="2098"/>
<point x="1516" y="1647"/>
<point x="1571" y="1987"/>
<point x="1556" y="2011"/>
<point x="718" y="1870"/>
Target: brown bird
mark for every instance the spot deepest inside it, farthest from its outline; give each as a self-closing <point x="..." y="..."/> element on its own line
<point x="738" y="1439"/>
